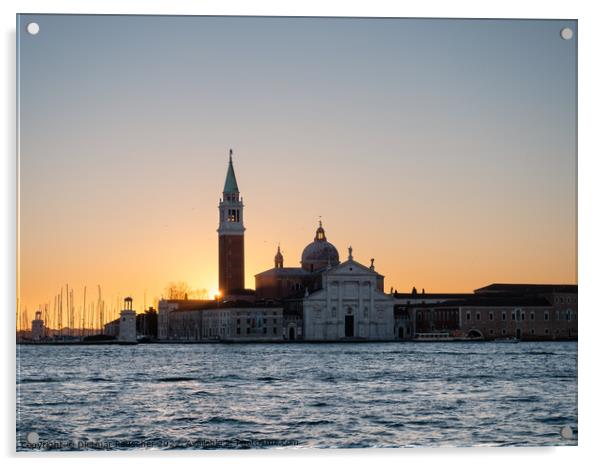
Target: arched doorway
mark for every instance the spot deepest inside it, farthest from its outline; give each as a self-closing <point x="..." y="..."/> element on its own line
<point x="518" y="333"/>
<point x="400" y="332"/>
<point x="291" y="333"/>
<point x="475" y="334"/>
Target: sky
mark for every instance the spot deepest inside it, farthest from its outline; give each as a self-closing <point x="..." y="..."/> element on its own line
<point x="443" y="149"/>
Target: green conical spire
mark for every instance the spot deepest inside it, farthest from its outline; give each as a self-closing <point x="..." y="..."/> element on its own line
<point x="230" y="186"/>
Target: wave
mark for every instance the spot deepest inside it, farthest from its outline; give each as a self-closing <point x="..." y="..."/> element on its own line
<point x="318" y="404"/>
<point x="227" y="420"/>
<point x="227" y="378"/>
<point x="45" y="380"/>
<point x="316" y="422"/>
<point x="175" y="379"/>
<point x="522" y="399"/>
<point x="556" y="420"/>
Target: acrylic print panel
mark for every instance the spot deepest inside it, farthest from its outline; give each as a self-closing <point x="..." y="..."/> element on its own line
<point x="277" y="232"/>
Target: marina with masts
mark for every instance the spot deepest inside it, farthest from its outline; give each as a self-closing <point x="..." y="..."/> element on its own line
<point x="67" y="322"/>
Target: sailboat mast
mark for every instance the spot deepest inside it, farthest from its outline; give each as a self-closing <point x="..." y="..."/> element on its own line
<point x="61" y="313"/>
<point x="83" y="316"/>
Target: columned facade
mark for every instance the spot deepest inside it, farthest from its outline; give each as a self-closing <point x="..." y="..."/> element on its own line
<point x="350" y="305"/>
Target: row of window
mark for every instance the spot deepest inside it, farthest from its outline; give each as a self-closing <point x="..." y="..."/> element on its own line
<point x="265" y="330"/>
<point x="212" y="332"/>
<point x="515" y="316"/>
<point x="258" y="322"/>
<point x="225" y="314"/>
<point x="560" y="300"/>
<point x="439" y="315"/>
<point x="531" y="332"/>
<point x="521" y="315"/>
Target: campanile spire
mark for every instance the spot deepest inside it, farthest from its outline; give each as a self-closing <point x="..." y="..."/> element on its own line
<point x="230" y="186"/>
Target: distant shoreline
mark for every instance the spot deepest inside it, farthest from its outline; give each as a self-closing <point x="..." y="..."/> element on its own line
<point x="279" y="342"/>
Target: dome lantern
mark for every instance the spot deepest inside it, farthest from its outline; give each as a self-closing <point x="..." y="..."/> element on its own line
<point x="319" y="254"/>
<point x="320" y="233"/>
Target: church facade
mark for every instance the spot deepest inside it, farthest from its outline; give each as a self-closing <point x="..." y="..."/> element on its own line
<point x="350" y="305"/>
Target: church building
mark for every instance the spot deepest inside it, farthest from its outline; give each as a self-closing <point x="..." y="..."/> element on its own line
<point x="321" y="299"/>
<point x="325" y="299"/>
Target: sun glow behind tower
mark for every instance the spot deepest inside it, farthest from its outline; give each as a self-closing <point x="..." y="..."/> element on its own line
<point x="429" y="156"/>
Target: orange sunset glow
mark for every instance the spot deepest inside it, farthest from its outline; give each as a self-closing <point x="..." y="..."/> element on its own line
<point x="440" y="179"/>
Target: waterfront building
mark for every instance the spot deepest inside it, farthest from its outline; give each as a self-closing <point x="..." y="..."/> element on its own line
<point x="218" y="320"/>
<point x="172" y="325"/>
<point x="184" y="325"/>
<point x="292" y="319"/>
<point x="146" y="323"/>
<point x="112" y="328"/>
<point x="257" y="323"/>
<point x="558" y="322"/>
<point x="405" y="304"/>
<point x="498" y="311"/>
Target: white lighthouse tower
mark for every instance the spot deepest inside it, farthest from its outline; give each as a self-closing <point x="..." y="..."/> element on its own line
<point x="127" y="322"/>
<point x="37" y="327"/>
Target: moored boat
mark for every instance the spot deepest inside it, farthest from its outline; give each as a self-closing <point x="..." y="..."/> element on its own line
<point x="507" y="340"/>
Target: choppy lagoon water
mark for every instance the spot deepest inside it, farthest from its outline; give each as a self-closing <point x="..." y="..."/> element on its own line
<point x="295" y="395"/>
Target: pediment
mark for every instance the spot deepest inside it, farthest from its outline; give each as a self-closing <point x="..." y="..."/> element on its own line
<point x="350" y="267"/>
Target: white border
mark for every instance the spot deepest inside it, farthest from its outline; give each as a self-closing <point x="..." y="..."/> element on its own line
<point x="590" y="231"/>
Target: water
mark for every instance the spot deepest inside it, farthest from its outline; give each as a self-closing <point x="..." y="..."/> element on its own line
<point x="296" y="395"/>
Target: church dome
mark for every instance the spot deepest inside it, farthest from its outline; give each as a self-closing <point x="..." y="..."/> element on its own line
<point x="320" y="253"/>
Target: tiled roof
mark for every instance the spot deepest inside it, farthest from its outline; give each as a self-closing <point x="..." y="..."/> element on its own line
<point x="479" y="301"/>
<point x="284" y="271"/>
<point x="432" y="295"/>
<point x="526" y="288"/>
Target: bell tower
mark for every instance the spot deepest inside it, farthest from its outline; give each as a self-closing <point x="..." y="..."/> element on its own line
<point x="231" y="234"/>
<point x="278" y="259"/>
